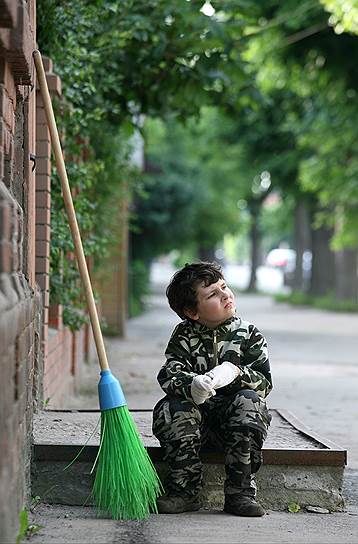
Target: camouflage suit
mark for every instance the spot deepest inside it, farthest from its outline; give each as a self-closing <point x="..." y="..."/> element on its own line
<point x="235" y="420"/>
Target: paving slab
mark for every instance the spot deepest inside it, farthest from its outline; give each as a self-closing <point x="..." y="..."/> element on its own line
<point x="77" y="525"/>
<point x="298" y="466"/>
<point x="315" y="369"/>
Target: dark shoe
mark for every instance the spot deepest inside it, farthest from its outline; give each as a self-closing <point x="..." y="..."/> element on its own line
<point x="174" y="504"/>
<point x="244" y="506"/>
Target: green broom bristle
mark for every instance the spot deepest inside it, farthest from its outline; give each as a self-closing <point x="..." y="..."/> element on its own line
<point x="126" y="484"/>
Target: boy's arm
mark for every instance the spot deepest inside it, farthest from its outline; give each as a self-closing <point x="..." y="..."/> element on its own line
<point x="255" y="366"/>
<point x="176" y="376"/>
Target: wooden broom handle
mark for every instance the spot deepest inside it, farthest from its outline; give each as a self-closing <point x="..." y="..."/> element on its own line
<point x="76" y="236"/>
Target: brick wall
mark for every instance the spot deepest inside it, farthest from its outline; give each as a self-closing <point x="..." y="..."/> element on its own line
<point x="20" y="302"/>
<point x="40" y="359"/>
<point x="63" y="351"/>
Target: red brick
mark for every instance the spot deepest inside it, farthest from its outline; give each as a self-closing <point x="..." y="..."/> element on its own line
<point x="55" y="316"/>
<point x="43" y="166"/>
<point x="2" y="100"/>
<point x="42" y="131"/>
<point x="43" y="281"/>
<point x="48" y="64"/>
<point x="6" y="140"/>
<point x="42" y="265"/>
<point x="43" y="182"/>
<point x="43" y="199"/>
<point x="43" y="232"/>
<point x="6" y="77"/>
<point x="5" y="221"/>
<point x="1" y="160"/>
<point x="46" y="299"/>
<point x="42" y="249"/>
<point x="22" y="46"/>
<point x="7" y="108"/>
<point x="43" y="149"/>
<point x="45" y="316"/>
<point x="2" y="133"/>
<point x="54" y="84"/>
<point x="43" y="216"/>
<point x="41" y="117"/>
<point x="8" y="16"/>
<point x="6" y="257"/>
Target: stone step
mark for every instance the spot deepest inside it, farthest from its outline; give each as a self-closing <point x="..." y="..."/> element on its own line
<point x="298" y="465"/>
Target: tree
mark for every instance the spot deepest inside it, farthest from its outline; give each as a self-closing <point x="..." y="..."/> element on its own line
<point x="316" y="64"/>
<point x="119" y="61"/>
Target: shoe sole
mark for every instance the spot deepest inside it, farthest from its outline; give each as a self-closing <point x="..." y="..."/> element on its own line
<point x="247" y="514"/>
<point x="192" y="508"/>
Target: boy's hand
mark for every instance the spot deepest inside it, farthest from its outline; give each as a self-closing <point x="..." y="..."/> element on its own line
<point x="202" y="388"/>
<point x="223" y="374"/>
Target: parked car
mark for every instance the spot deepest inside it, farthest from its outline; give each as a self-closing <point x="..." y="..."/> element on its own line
<point x="285" y="259"/>
<point x="282" y="258"/>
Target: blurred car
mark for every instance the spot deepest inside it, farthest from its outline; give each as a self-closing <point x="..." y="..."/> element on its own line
<point x="285" y="259"/>
<point x="282" y="258"/>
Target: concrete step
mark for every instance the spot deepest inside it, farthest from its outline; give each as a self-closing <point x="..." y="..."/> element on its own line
<point x="298" y="465"/>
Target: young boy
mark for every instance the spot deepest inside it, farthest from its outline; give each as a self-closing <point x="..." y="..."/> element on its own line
<point x="216" y="377"/>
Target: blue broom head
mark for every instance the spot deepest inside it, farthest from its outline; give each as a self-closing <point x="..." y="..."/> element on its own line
<point x="110" y="392"/>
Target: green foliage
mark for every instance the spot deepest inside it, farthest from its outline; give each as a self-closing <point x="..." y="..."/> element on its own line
<point x="118" y="61"/>
<point x="63" y="267"/>
<point x="293" y="507"/>
<point x="344" y="15"/>
<point x="26" y="529"/>
<point x="276" y="223"/>
<point x="138" y="279"/>
<point x="311" y="67"/>
<point x="327" y="302"/>
<point x="133" y="57"/>
<point x="190" y="201"/>
<point x="281" y="82"/>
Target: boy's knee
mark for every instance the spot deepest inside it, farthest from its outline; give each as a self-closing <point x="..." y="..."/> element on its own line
<point x="249" y="408"/>
<point x="247" y="397"/>
<point x="176" y="419"/>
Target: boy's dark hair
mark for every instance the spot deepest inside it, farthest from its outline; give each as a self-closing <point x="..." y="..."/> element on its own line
<point x="181" y="291"/>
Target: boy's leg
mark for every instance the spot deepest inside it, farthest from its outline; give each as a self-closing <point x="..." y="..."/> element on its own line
<point x="242" y="463"/>
<point x="243" y="426"/>
<point x="176" y="424"/>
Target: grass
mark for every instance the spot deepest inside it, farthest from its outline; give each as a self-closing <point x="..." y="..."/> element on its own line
<point x="327" y="302"/>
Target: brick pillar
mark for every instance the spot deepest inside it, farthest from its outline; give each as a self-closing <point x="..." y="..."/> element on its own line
<point x="20" y="305"/>
<point x="43" y="205"/>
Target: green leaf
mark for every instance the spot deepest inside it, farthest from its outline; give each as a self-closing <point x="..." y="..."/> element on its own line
<point x="24" y="523"/>
<point x="293" y="507"/>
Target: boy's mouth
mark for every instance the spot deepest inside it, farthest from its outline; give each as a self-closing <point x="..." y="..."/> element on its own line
<point x="229" y="305"/>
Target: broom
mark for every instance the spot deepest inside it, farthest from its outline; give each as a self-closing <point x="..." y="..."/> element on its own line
<point x="126" y="484"/>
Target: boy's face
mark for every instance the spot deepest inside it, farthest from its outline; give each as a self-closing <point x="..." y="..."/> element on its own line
<point x="216" y="304"/>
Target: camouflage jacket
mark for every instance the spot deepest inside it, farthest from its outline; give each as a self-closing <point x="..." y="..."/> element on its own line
<point x="195" y="349"/>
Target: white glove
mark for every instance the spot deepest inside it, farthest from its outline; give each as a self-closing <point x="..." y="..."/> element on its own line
<point x="223" y="374"/>
<point x="201" y="388"/>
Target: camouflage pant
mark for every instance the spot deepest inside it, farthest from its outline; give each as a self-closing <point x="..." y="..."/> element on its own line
<point x="236" y="424"/>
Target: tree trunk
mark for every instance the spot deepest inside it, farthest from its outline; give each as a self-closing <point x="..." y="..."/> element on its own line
<point x="206" y="254"/>
<point x="346" y="274"/>
<point x="302" y="242"/>
<point x="323" y="262"/>
<point x="255" y="247"/>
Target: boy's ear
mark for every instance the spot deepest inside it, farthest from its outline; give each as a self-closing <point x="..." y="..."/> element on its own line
<point x="191" y="314"/>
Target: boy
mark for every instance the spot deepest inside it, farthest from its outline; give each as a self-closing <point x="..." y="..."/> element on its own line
<point x="216" y="377"/>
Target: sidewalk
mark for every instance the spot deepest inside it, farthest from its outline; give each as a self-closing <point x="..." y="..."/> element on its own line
<point x="315" y="370"/>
